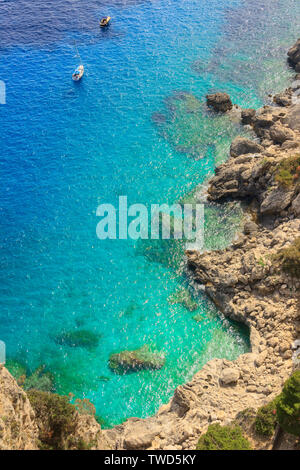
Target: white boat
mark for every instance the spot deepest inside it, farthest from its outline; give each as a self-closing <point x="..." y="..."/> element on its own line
<point x="78" y="73"/>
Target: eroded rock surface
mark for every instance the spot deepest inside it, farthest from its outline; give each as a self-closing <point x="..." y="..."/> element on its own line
<point x="243" y="146"/>
<point x="18" y="430"/>
<point x="294" y="56"/>
<point x="21" y="428"/>
<point x="220" y="102"/>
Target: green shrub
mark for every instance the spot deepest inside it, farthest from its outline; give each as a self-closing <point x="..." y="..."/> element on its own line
<point x="288" y="405"/>
<point x="289" y="258"/>
<point x="220" y="437"/>
<point x="245" y="419"/>
<point x="40" y="379"/>
<point x="56" y="418"/>
<point x="287" y="171"/>
<point x="81" y="444"/>
<point x="265" y="421"/>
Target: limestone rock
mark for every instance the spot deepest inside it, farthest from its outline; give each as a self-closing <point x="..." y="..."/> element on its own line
<point x="250" y="227"/>
<point x="229" y="376"/>
<point x="276" y="200"/>
<point x="292" y="118"/>
<point x="263" y="121"/>
<point x="247" y="116"/>
<point x="182" y="400"/>
<point x="140" y="437"/>
<point x="261" y="358"/>
<point x="294" y="54"/>
<point x="18" y="430"/>
<point x="296" y="205"/>
<point x="283" y="99"/>
<point x="220" y="102"/>
<point x="244" y="284"/>
<point x="242" y="146"/>
<point x="89" y="430"/>
<point x="280" y="134"/>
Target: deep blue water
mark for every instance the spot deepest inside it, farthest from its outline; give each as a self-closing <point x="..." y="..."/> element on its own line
<point x="67" y="147"/>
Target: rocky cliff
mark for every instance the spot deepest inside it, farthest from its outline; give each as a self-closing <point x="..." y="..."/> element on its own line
<point x="30" y="424"/>
<point x="18" y="429"/>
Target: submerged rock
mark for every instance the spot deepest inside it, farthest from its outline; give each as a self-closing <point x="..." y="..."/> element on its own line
<point x="198" y="318"/>
<point x="220" y="102"/>
<point x="169" y="253"/>
<point x="133" y="361"/>
<point x="183" y="297"/>
<point x="190" y="129"/>
<point x="128" y="310"/>
<point x="192" y="104"/>
<point x="103" y="378"/>
<point x="158" y="118"/>
<point x="78" y="339"/>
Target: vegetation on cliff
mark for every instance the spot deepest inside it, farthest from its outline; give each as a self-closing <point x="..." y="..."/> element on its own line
<point x="220" y="437"/>
<point x="289" y="259"/>
<point x="39" y="379"/>
<point x="59" y="423"/>
<point x="283" y="410"/>
<point x="288" y="171"/>
<point x="56" y="418"/>
<point x="266" y="420"/>
<point x="288" y="405"/>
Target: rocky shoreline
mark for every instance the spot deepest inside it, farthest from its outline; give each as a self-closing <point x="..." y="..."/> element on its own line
<point x="243" y="280"/>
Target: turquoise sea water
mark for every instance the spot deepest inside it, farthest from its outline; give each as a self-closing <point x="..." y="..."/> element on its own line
<point x="125" y="129"/>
